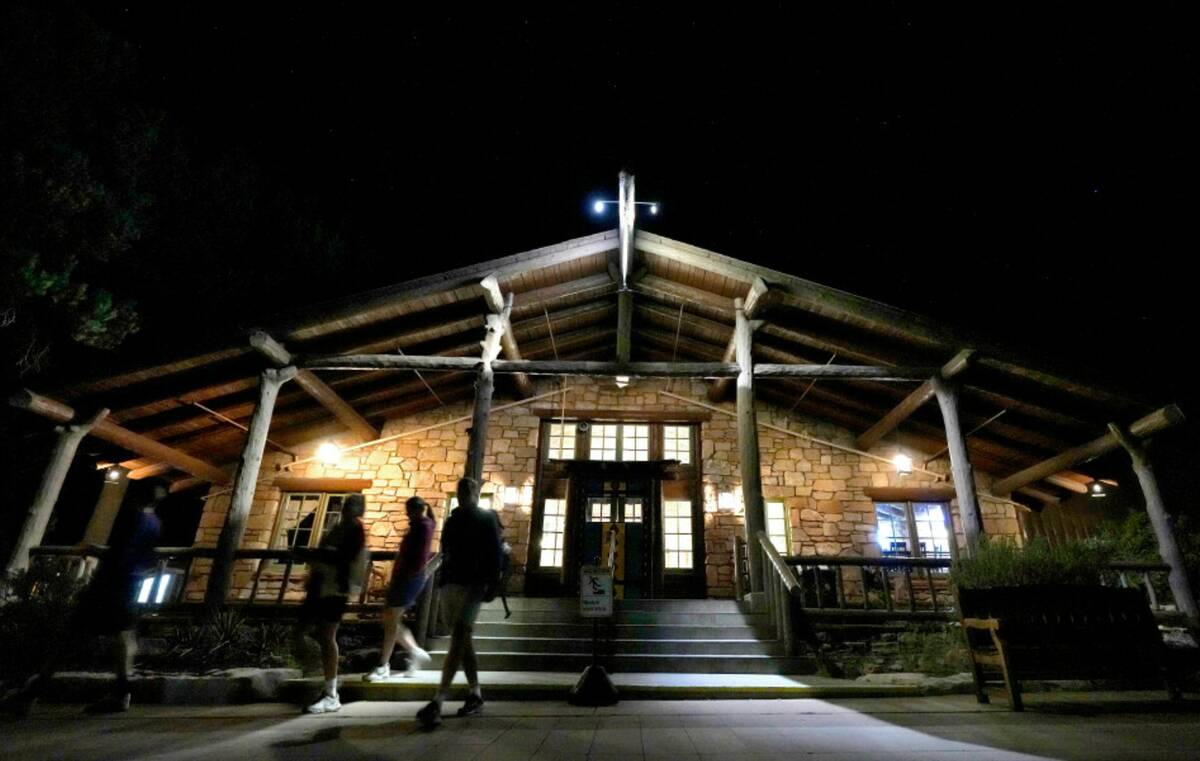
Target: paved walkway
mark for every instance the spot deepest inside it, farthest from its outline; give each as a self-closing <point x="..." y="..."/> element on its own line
<point x="1100" y="726"/>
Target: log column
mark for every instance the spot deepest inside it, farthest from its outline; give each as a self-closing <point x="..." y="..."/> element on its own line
<point x="748" y="447"/>
<point x="112" y="494"/>
<point x="1168" y="549"/>
<point x="38" y="517"/>
<point x="960" y="462"/>
<point x="484" y="386"/>
<point x="221" y="580"/>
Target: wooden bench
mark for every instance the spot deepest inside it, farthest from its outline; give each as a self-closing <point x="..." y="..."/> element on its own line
<point x="1018" y="633"/>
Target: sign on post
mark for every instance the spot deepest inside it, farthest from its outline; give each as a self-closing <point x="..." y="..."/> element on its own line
<point x="595" y="592"/>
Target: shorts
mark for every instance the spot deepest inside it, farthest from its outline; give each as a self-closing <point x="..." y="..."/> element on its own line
<point x="460" y="604"/>
<point x="325" y="610"/>
<point x="107" y="609"/>
<point x="403" y="591"/>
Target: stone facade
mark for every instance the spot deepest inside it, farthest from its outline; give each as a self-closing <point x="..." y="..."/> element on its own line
<point x="822" y="487"/>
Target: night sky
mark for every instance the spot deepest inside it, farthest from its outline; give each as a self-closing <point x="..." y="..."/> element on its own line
<point x="1029" y="175"/>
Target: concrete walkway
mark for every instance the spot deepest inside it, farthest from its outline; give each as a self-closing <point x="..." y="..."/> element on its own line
<point x="1101" y="726"/>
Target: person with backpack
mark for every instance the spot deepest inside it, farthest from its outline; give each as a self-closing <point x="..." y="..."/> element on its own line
<point x="336" y="569"/>
<point x="470" y="575"/>
<point x="407" y="583"/>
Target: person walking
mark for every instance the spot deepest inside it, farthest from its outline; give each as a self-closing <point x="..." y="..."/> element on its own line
<point x="108" y="606"/>
<point x="408" y="581"/>
<point x="470" y="574"/>
<point x="336" y="567"/>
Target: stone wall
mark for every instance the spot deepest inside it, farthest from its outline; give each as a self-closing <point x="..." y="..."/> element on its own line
<point x="821" y="484"/>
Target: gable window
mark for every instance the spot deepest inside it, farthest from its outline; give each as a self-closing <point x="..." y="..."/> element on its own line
<point x="677" y="443"/>
<point x="305" y="518"/>
<point x="777" y="527"/>
<point x="913" y="529"/>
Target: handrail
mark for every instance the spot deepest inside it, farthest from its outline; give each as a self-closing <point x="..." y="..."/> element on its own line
<point x="776" y="560"/>
<point x="861" y="560"/>
<point x="782" y="593"/>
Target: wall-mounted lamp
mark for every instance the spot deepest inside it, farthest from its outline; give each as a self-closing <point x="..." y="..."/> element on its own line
<point x="903" y="463"/>
<point x="329" y="453"/>
<point x="1096" y="490"/>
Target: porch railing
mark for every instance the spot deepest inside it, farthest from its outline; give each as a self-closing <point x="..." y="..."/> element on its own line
<point x="781" y="591"/>
<point x="909" y="588"/>
<point x="276" y="581"/>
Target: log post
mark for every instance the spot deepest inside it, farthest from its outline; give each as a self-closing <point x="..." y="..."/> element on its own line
<point x="960" y="462"/>
<point x="748" y="448"/>
<point x="484" y="386"/>
<point x="624" y="325"/>
<point x="38" y="517"/>
<point x="112" y="494"/>
<point x="244" y="485"/>
<point x="1160" y="519"/>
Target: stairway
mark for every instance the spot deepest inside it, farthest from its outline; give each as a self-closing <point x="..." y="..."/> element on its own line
<point x="648" y="636"/>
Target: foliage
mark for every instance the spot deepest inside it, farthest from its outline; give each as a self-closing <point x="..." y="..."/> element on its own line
<point x="33" y="618"/>
<point x="222" y="640"/>
<point x="1132" y="538"/>
<point x="937" y="652"/>
<point x="1001" y="563"/>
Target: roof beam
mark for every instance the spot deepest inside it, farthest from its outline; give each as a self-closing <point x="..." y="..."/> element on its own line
<point x="912" y="402"/>
<point x="753" y="301"/>
<point x="508" y="342"/>
<point x="1159" y="420"/>
<point x="122" y="437"/>
<point x="316" y="388"/>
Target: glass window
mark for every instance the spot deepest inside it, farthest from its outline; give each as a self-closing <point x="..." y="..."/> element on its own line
<point x="677" y="534"/>
<point x="554" y="521"/>
<point x="677" y="443"/>
<point x="933" y="537"/>
<point x="892" y="535"/>
<point x="305" y="518"/>
<point x="635" y="442"/>
<point x="777" y="527"/>
<point x="604" y="441"/>
<point x="562" y="441"/>
<point x="599" y="510"/>
<point x="633" y="511"/>
<point x="485" y="501"/>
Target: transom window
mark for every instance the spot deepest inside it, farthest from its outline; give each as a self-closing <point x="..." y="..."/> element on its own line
<point x="677" y="534"/>
<point x="677" y="443"/>
<point x="600" y="510"/>
<point x="561" y="441"/>
<point x="899" y="522"/>
<point x="635" y="442"/>
<point x="305" y="518"/>
<point x="554" y="521"/>
<point x="777" y="527"/>
<point x="604" y="441"/>
<point x="633" y="511"/>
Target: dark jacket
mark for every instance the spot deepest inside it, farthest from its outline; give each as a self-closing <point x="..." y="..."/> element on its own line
<point x="471" y="547"/>
<point x="414" y="547"/>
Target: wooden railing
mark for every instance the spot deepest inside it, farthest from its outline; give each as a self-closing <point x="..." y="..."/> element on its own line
<point x="279" y="573"/>
<point x="781" y="591"/>
<point x="909" y="588"/>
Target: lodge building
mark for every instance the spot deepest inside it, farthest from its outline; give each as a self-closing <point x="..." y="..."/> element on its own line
<point x="622" y="387"/>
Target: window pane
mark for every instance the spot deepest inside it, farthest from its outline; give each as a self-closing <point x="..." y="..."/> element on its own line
<point x="333" y="513"/>
<point x="553" y="520"/>
<point x="892" y="536"/>
<point x="933" y="538"/>
<point x="777" y="527"/>
<point x="677" y="534"/>
<point x="633" y="511"/>
<point x="599" y="510"/>
<point x="562" y="441"/>
<point x="677" y="443"/>
<point x="604" y="442"/>
<point x="299" y="519"/>
<point x="635" y="442"/>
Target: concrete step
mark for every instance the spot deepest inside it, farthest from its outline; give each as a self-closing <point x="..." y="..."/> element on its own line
<point x="643" y="663"/>
<point x="518" y="629"/>
<point x="679" y="618"/>
<point x="583" y="646"/>
<point x="572" y="604"/>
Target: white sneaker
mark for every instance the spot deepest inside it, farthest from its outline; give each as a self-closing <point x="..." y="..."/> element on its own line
<point x="380" y="674"/>
<point x="327" y="704"/>
<point x="416" y="660"/>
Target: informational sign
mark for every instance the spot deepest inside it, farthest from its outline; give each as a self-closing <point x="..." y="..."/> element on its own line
<point x="595" y="592"/>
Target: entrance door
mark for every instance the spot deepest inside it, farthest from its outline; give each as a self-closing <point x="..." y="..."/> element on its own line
<point x="614" y="524"/>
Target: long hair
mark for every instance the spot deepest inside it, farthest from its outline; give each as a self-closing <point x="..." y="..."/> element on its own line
<point x="426" y="510"/>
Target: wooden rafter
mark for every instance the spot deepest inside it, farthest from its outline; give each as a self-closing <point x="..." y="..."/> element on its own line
<point x="122" y="437"/>
<point x="911" y="403"/>
<point x="264" y="344"/>
<point x="495" y="302"/>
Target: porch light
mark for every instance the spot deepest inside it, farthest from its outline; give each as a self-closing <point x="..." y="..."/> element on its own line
<point x="622" y="381"/>
<point x="329" y="453"/>
<point x="903" y="464"/>
<point x="112" y="475"/>
<point x="1096" y="490"/>
<point x="512" y="495"/>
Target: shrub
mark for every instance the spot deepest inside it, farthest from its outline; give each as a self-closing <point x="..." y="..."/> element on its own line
<point x="34" y="616"/>
<point x="1001" y="563"/>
